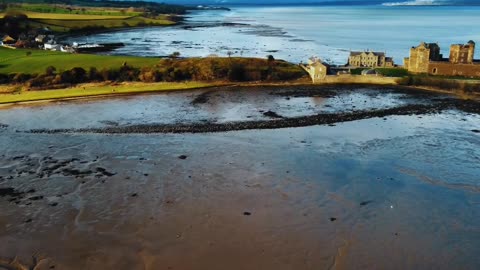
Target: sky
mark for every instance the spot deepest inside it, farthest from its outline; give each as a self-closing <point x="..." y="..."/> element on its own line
<point x="338" y="2"/>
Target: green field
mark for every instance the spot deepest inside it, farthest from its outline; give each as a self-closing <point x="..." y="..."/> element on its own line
<point x="64" y="25"/>
<point x="74" y="18"/>
<point x="68" y="9"/>
<point x="98" y="90"/>
<point x="62" y="16"/>
<point x="16" y="61"/>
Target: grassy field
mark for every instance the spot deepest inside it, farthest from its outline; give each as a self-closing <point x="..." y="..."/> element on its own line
<point x="70" y="18"/>
<point x="68" y="9"/>
<point x="15" y="61"/>
<point x="76" y="24"/>
<point x="62" y="16"/>
<point x="97" y="90"/>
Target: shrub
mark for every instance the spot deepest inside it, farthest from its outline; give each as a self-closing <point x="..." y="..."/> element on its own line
<point x="237" y="72"/>
<point x="21" y="77"/>
<point x="74" y="76"/>
<point x="4" y="79"/>
<point x="49" y="71"/>
<point x="94" y="75"/>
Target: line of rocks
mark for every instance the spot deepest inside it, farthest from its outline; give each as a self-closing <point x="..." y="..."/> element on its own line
<point x="319" y="119"/>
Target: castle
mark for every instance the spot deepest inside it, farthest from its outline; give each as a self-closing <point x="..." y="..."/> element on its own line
<point x="426" y="58"/>
<point x="369" y="59"/>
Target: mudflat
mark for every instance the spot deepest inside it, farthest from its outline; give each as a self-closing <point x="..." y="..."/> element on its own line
<point x="83" y="185"/>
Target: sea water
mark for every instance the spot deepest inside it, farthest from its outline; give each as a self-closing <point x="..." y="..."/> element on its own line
<point x="295" y="33"/>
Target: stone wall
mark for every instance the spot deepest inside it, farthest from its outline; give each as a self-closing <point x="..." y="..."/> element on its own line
<point x="449" y="69"/>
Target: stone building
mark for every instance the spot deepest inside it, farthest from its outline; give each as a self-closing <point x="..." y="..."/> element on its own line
<point x="426" y="58"/>
<point x="421" y="56"/>
<point x="317" y="70"/>
<point x="462" y="54"/>
<point x="369" y="59"/>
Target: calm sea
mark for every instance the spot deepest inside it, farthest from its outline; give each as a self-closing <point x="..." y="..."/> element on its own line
<point x="296" y="33"/>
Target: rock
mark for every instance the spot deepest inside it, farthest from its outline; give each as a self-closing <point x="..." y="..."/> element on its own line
<point x="272" y="114"/>
<point x="182" y="157"/>
<point x="365" y="203"/>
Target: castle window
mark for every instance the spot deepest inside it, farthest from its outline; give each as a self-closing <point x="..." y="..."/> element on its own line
<point x="434" y="71"/>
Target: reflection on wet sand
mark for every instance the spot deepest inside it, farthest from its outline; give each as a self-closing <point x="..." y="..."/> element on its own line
<point x="348" y="196"/>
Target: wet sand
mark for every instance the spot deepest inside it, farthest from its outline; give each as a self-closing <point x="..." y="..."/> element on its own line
<point x="389" y="192"/>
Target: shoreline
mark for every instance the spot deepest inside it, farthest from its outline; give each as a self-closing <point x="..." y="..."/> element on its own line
<point x="432" y="103"/>
<point x="207" y="85"/>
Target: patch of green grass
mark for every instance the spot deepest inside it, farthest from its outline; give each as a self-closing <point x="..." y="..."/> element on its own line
<point x="387" y="72"/>
<point x="65" y="9"/>
<point x="97" y="90"/>
<point x="62" y="16"/>
<point x="357" y="71"/>
<point x="17" y="61"/>
<point x="104" y="23"/>
<point x="392" y="72"/>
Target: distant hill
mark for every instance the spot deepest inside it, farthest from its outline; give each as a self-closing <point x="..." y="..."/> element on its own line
<point x="326" y="2"/>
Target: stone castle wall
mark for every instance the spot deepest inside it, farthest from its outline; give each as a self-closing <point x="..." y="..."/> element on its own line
<point x="449" y="69"/>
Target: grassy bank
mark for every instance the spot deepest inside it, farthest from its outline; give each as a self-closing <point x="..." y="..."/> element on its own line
<point x="456" y="86"/>
<point x="36" y="61"/>
<point x="89" y="90"/>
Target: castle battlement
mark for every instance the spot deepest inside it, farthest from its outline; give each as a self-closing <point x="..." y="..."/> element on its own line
<point x="426" y="58"/>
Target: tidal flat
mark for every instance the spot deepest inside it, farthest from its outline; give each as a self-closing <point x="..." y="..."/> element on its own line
<point x="400" y="191"/>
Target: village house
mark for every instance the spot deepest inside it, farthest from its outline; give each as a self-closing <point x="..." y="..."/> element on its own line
<point x="6" y="39"/>
<point x="316" y="69"/>
<point x="52" y="46"/>
<point x="369" y="59"/>
<point x="426" y="58"/>
<point x="40" y="38"/>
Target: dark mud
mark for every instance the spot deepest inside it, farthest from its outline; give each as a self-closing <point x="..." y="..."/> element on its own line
<point x="45" y="167"/>
<point x="435" y="106"/>
<point x="201" y="99"/>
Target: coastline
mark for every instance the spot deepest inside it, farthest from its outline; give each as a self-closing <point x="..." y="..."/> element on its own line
<point x="156" y="88"/>
<point x="434" y="102"/>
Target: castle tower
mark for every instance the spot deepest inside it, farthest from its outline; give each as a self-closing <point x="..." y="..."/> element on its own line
<point x="421" y="56"/>
<point x="471" y="51"/>
<point x="462" y="53"/>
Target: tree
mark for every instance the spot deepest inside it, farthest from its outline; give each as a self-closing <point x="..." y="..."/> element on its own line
<point x="175" y="55"/>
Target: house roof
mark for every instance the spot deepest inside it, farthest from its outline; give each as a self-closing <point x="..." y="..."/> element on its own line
<point x="367" y="52"/>
<point x="7" y="38"/>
